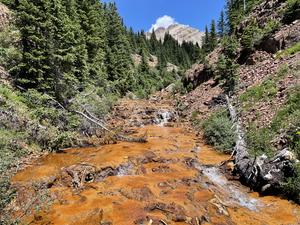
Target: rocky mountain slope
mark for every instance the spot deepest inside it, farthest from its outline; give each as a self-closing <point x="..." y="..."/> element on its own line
<point x="180" y="33"/>
<point x="266" y="95"/>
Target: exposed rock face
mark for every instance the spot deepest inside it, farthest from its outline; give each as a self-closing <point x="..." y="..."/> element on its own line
<point x="199" y="74"/>
<point x="152" y="62"/>
<point x="180" y="33"/>
<point x="4" y="16"/>
<point x="283" y="38"/>
<point x="137" y="59"/>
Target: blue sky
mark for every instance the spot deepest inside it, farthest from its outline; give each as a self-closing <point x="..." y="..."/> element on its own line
<point x="142" y="14"/>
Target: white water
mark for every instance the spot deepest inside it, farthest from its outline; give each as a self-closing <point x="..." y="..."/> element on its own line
<point x="234" y="194"/>
<point x="163" y="117"/>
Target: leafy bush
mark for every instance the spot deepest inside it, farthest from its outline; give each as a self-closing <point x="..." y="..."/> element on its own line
<point x="218" y="131"/>
<point x="10" y="54"/>
<point x="251" y="35"/>
<point x="230" y="46"/>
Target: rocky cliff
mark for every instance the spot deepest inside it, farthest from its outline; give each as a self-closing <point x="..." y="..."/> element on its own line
<point x="4" y="16"/>
<point x="180" y="33"/>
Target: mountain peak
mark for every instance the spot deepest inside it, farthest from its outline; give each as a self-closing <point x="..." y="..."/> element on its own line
<point x="180" y="32"/>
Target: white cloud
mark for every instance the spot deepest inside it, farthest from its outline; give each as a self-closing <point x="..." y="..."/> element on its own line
<point x="164" y="21"/>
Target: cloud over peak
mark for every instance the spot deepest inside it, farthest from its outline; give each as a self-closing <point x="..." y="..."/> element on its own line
<point x="164" y="21"/>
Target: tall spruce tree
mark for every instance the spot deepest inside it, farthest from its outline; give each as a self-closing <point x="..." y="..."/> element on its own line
<point x="213" y="36"/>
<point x="33" y="21"/>
<point x="118" y="58"/>
<point x="67" y="53"/>
<point x="206" y="40"/>
<point x="221" y="25"/>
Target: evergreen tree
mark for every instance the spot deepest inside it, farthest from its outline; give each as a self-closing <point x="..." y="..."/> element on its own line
<point x="221" y="25"/>
<point x="118" y="58"/>
<point x="33" y="22"/>
<point x="213" y="36"/>
<point x="67" y="54"/>
<point x="91" y="14"/>
<point x="133" y="40"/>
<point x="154" y="45"/>
<point x="206" y="40"/>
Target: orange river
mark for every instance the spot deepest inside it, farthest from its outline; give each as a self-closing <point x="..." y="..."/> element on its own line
<point x="172" y="179"/>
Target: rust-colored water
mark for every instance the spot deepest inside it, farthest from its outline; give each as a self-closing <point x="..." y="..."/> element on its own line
<point x="162" y="188"/>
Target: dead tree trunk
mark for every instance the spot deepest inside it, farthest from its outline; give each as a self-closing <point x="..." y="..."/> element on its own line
<point x="93" y="119"/>
<point x="118" y="137"/>
<point x="260" y="173"/>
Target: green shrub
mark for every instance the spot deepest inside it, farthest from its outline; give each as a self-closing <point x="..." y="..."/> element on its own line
<point x="290" y="51"/>
<point x="292" y="185"/>
<point x="292" y="11"/>
<point x="218" y="131"/>
<point x="10" y="54"/>
<point x="266" y="90"/>
<point x="251" y="35"/>
<point x="259" y="141"/>
<point x="230" y="46"/>
<point x="254" y="34"/>
<point x="289" y="114"/>
<point x="6" y="192"/>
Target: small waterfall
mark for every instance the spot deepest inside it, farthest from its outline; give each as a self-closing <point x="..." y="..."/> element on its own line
<point x="163" y="117"/>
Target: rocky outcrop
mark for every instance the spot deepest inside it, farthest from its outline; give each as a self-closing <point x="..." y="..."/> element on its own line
<point x="201" y="101"/>
<point x="200" y="73"/>
<point x="181" y="33"/>
<point x="137" y="59"/>
<point x="4" y="76"/>
<point x="4" y="16"/>
<point x="285" y="37"/>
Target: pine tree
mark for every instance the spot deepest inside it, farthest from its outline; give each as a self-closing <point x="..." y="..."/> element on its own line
<point x="33" y="22"/>
<point x="118" y="58"/>
<point x="212" y="36"/>
<point x="206" y="40"/>
<point x="67" y="54"/>
<point x="221" y="25"/>
<point x="92" y="23"/>
<point x="132" y="37"/>
<point x="153" y="43"/>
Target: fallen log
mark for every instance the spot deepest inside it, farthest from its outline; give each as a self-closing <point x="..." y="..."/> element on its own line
<point x="261" y="173"/>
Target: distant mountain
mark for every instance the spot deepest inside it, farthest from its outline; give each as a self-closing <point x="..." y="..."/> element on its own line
<point x="180" y="33"/>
